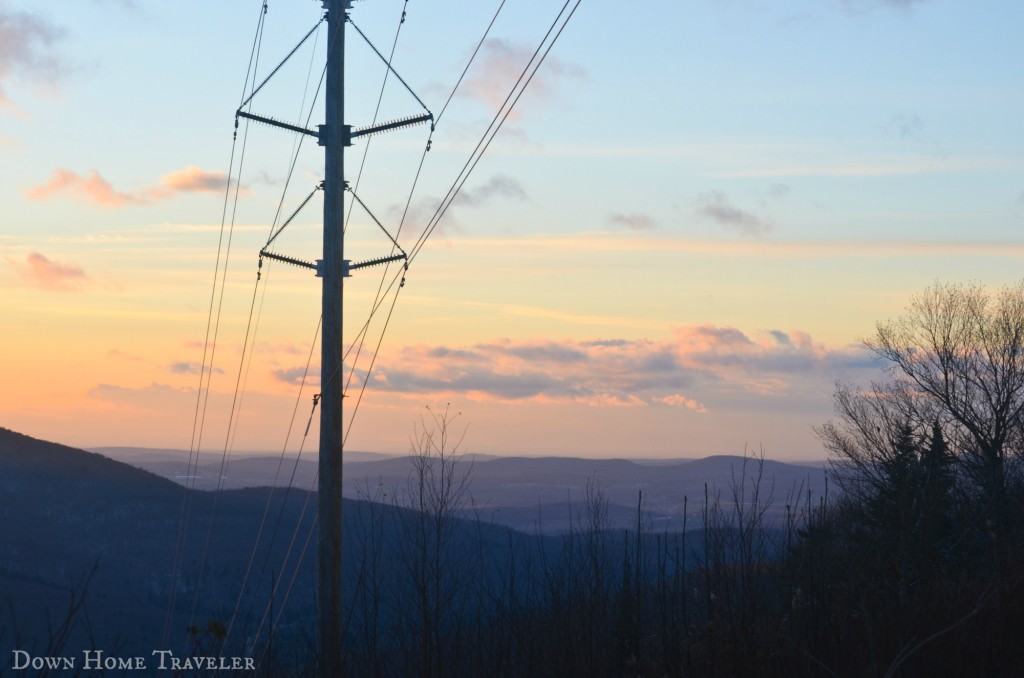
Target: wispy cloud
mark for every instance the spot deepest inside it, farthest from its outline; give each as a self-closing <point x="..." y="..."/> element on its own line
<point x="27" y="43"/>
<point x="191" y="367"/>
<point x="716" y="206"/>
<point x="634" y="221"/>
<point x="501" y="63"/>
<point x="422" y="210"/>
<point x="127" y="4"/>
<point x="855" y="7"/>
<point x="677" y="400"/>
<point x="41" y="272"/>
<point x="498" y="186"/>
<point x="599" y="243"/>
<point x="298" y="375"/>
<point x="284" y="348"/>
<point x="905" y="4"/>
<point x="92" y="187"/>
<point x="122" y="355"/>
<point x="905" y="125"/>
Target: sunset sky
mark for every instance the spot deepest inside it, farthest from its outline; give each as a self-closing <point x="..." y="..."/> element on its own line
<point x="674" y="246"/>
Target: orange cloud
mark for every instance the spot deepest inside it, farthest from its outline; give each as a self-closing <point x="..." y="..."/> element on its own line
<point x="688" y="371"/>
<point x="193" y="179"/>
<point x="677" y="400"/>
<point x="91" y="187"/>
<point x="50" y="275"/>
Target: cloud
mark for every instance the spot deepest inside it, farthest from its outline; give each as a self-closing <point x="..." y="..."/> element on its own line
<point x="905" y="126"/>
<point x="904" y="4"/>
<point x="698" y="361"/>
<point x="422" y="210"/>
<point x="498" y="186"/>
<point x="264" y="177"/>
<point x="192" y="179"/>
<point x="92" y="187"/>
<point x="122" y="355"/>
<point x="191" y="367"/>
<point x="779" y="190"/>
<point x="677" y="400"/>
<point x="26" y="50"/>
<point x="633" y="221"/>
<point x="294" y="375"/>
<point x="715" y="206"/>
<point x="45" y="274"/>
<point x="286" y="348"/>
<point x="501" y="65"/>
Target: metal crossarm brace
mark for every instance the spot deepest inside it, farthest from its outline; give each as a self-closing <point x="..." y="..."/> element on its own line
<point x="386" y="126"/>
<point x="376" y="262"/>
<point x="278" y="123"/>
<point x="290" y="260"/>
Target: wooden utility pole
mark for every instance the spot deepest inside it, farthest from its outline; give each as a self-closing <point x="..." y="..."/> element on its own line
<point x="333" y="270"/>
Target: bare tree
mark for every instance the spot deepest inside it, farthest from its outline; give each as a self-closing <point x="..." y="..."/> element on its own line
<point x="437" y="492"/>
<point x="866" y="442"/>
<point x="963" y="346"/>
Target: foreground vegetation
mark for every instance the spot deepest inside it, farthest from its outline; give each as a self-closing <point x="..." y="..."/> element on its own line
<point x="912" y="568"/>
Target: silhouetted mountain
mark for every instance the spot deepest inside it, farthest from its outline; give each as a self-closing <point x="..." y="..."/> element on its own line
<point x="526" y="493"/>
<point x="65" y="511"/>
<point x="547" y="493"/>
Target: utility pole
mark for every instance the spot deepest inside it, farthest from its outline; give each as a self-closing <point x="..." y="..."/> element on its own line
<point x="334" y="135"/>
<point x="333" y="270"/>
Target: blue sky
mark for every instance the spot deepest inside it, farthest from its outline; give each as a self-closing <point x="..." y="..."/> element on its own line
<point x="673" y="247"/>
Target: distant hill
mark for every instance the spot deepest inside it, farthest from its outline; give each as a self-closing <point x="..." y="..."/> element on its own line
<point x="65" y="511"/>
<point x="525" y="493"/>
<point x="546" y="493"/>
<point x="243" y="469"/>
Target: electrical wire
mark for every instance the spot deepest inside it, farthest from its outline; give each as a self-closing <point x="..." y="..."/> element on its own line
<point x="496" y="123"/>
<point x="412" y="191"/>
<point x="274" y="486"/>
<point x="209" y="347"/>
<point x="469" y="63"/>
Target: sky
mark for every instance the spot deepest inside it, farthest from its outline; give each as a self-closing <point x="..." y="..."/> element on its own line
<point x="674" y="247"/>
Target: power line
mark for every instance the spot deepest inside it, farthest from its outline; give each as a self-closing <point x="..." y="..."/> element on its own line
<point x="209" y="347"/>
<point x="408" y="201"/>
<point x="274" y="486"/>
<point x="496" y="123"/>
<point x="470" y="62"/>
